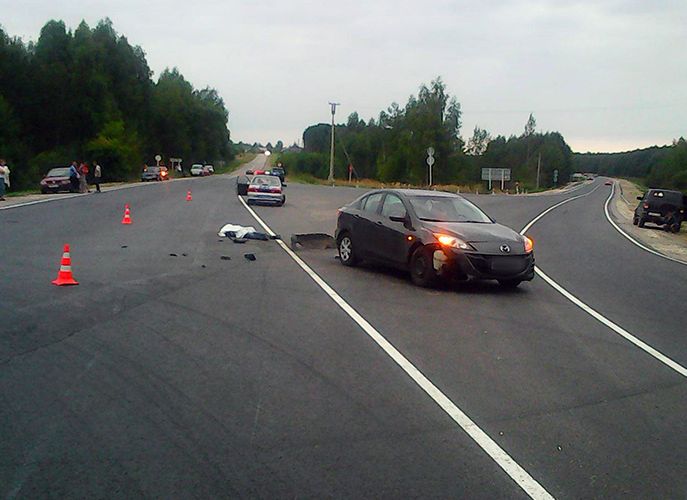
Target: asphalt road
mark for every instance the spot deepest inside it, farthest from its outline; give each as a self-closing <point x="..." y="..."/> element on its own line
<point x="204" y="374"/>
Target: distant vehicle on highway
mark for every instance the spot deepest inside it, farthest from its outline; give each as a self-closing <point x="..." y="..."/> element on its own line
<point x="279" y="172"/>
<point x="432" y="235"/>
<point x="154" y="174"/>
<point x="662" y="207"/>
<point x="207" y="170"/>
<point x="57" y="179"/>
<point x="196" y="169"/>
<point x="242" y="183"/>
<point x="266" y="189"/>
<point x="609" y="183"/>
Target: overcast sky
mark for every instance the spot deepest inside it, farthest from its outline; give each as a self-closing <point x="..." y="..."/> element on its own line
<point x="608" y="75"/>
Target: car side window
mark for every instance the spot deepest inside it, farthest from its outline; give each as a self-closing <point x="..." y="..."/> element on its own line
<point x="371" y="203"/>
<point x="393" y="206"/>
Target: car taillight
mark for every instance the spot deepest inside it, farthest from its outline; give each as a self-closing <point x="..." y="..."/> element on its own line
<point x="252" y="189"/>
<point x="646" y="206"/>
<point x="163" y="174"/>
<point x="275" y="190"/>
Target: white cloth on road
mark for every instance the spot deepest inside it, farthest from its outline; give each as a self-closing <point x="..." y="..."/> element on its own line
<point x="239" y="231"/>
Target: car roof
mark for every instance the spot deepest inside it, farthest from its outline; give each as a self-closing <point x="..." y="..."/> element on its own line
<point x="416" y="192"/>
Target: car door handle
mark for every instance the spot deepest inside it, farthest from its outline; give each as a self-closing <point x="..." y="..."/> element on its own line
<point x="357" y="216"/>
<point x="380" y="223"/>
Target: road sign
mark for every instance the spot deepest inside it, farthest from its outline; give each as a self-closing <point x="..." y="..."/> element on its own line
<point x="158" y="157"/>
<point x="555" y="176"/>
<point x="430" y="162"/>
<point x="496" y="174"/>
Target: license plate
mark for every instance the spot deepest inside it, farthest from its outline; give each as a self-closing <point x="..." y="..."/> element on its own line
<point x="264" y="188"/>
<point x="655" y="214"/>
<point x="507" y="264"/>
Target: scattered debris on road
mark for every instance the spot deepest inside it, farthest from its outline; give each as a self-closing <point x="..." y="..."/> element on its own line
<point x="249" y="256"/>
<point x="224" y="257"/>
<point x="173" y="255"/>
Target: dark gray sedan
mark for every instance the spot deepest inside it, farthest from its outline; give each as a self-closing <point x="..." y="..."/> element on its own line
<point x="432" y="235"/>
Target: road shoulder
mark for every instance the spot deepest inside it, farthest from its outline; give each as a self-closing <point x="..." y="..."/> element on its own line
<point x="622" y="210"/>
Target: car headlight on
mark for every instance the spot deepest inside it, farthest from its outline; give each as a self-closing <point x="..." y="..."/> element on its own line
<point x="451" y="241"/>
<point x="529" y="244"/>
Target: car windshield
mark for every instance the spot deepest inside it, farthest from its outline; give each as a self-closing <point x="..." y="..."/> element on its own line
<point x="152" y="170"/>
<point x="447" y="209"/>
<point x="59" y="172"/>
<point x="266" y="180"/>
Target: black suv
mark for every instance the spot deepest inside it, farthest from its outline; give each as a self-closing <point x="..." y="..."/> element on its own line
<point x="661" y="207"/>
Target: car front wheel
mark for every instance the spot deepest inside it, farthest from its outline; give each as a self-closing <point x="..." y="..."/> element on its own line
<point x="421" y="268"/>
<point x="346" y="251"/>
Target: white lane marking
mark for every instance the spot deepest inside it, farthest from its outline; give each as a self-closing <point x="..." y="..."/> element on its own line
<point x="618" y="329"/>
<point x="498" y="454"/>
<point x="640" y="245"/>
<point x="533" y="221"/>
<point x="596" y="315"/>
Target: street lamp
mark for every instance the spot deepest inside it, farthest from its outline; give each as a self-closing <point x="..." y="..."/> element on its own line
<point x="331" y="155"/>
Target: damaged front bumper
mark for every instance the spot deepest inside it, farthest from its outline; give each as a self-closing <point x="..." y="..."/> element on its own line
<point x="465" y="266"/>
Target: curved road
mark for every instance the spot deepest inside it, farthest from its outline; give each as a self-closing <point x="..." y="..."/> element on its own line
<point x="205" y="374"/>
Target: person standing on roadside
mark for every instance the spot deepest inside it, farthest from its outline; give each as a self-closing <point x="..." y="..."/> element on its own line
<point x="74" y="177"/>
<point x="83" y="182"/>
<point x="97" y="174"/>
<point x="4" y="179"/>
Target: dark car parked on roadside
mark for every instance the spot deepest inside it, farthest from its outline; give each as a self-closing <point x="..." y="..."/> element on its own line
<point x="662" y="207"/>
<point x="279" y="172"/>
<point x="154" y="174"/>
<point x="432" y="235"/>
<point x="57" y="179"/>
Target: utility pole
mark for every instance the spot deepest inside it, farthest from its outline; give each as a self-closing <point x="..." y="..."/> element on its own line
<point x="331" y="155"/>
<point x="538" y="169"/>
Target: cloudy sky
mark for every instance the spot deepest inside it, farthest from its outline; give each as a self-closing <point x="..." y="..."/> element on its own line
<point x="609" y="75"/>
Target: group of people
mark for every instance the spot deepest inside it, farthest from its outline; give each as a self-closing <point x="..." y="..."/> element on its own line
<point x="78" y="176"/>
<point x="4" y="178"/>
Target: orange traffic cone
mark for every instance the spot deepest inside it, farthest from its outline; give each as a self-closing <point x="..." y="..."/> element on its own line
<point x="127" y="215"/>
<point x="188" y="196"/>
<point x="64" y="276"/>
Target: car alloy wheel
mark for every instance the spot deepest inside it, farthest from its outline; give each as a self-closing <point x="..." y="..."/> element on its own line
<point x="346" y="251"/>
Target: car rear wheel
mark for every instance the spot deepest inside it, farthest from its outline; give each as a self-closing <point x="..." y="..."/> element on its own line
<point x="509" y="283"/>
<point x="347" y="251"/>
<point x="421" y="268"/>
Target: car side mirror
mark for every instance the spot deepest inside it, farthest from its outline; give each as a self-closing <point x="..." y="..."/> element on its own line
<point x="640" y="198"/>
<point x="395" y="218"/>
<point x="283" y="184"/>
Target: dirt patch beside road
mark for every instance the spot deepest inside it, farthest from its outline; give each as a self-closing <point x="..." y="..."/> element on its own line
<point x="622" y="210"/>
